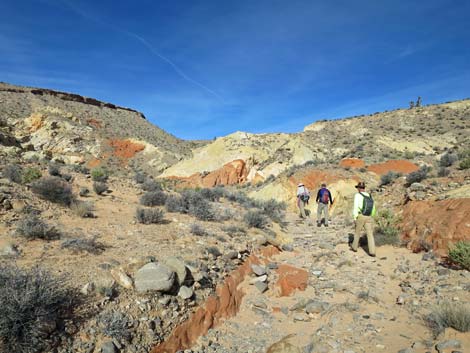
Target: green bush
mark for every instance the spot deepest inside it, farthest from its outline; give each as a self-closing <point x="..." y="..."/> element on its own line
<point x="53" y="189"/>
<point x="30" y="174"/>
<point x="447" y="314"/>
<point x="387" y="232"/>
<point x="465" y="164"/>
<point x="99" y="174"/>
<point x="34" y="306"/>
<point x="459" y="254"/>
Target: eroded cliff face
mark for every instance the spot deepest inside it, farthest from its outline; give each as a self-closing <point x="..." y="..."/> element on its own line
<point x="75" y="129"/>
<point x="435" y="225"/>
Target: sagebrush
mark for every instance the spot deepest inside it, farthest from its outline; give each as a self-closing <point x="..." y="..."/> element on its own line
<point x="449" y="314"/>
<point x="150" y="216"/>
<point x="459" y="254"/>
<point x="53" y="189"/>
<point x="32" y="227"/>
<point x="34" y="303"/>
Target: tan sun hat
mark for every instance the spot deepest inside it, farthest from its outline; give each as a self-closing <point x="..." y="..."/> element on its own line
<point x="300" y="184"/>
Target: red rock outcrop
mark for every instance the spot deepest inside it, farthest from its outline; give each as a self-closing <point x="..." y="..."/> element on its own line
<point x="125" y="149"/>
<point x="291" y="279"/>
<point x="436" y="224"/>
<point x="399" y="166"/>
<point x="232" y="173"/>
<point x="352" y="163"/>
<point x="224" y="304"/>
<point x="314" y="178"/>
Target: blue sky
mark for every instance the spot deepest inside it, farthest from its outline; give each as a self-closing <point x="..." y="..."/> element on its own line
<point x="201" y="69"/>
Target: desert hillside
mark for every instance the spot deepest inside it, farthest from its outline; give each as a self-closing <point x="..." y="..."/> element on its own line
<point x="117" y="237"/>
<point x="73" y="129"/>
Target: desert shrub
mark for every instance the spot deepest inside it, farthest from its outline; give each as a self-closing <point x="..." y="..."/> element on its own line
<point x="84" y="192"/>
<point x="175" y="203"/>
<point x="53" y="189"/>
<point x="272" y="208"/>
<point x="53" y="170"/>
<point x="82" y="209"/>
<point x="256" y="219"/>
<point x="139" y="178"/>
<point x="153" y="198"/>
<point x="13" y="172"/>
<point x="195" y="204"/>
<point x="67" y="177"/>
<point x="389" y="177"/>
<point x="151" y="185"/>
<point x="213" y="194"/>
<point x="447" y="314"/>
<point x="78" y="245"/>
<point x="417" y="176"/>
<point x="34" y="305"/>
<point x="149" y="216"/>
<point x="30" y="174"/>
<point x="459" y="254"/>
<point x="99" y="174"/>
<point x="78" y="168"/>
<point x="115" y="324"/>
<point x="100" y="187"/>
<point x="198" y="230"/>
<point x="387" y="232"/>
<point x="238" y="197"/>
<point x="234" y="231"/>
<point x="32" y="227"/>
<point x="443" y="172"/>
<point x="447" y="159"/>
<point x="465" y="164"/>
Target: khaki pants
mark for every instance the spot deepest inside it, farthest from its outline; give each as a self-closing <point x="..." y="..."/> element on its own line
<point x="322" y="208"/>
<point x="301" y="208"/>
<point x="366" y="222"/>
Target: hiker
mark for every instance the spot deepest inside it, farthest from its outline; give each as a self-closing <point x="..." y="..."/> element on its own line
<point x="303" y="195"/>
<point x="363" y="211"/>
<point x="323" y="199"/>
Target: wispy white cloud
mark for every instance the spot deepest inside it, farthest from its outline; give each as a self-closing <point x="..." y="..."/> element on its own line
<point x="145" y="43"/>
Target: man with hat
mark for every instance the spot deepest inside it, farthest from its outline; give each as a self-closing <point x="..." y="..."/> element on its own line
<point x="363" y="211"/>
<point x="303" y="195"/>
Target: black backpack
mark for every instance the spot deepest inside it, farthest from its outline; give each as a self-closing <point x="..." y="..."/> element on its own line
<point x="367" y="205"/>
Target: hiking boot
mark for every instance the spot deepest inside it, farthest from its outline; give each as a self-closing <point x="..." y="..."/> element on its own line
<point x="318" y="224"/>
<point x="372" y="255"/>
<point x="326" y="225"/>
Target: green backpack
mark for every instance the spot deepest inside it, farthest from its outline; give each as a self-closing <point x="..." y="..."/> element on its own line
<point x="367" y="205"/>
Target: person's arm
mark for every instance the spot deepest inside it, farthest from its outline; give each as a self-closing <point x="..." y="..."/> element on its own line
<point x="331" y="197"/>
<point x="357" y="206"/>
<point x="318" y="196"/>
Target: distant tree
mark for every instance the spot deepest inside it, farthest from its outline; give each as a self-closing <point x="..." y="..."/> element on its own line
<point x="418" y="102"/>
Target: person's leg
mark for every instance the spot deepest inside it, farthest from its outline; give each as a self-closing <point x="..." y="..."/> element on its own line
<point x="369" y="224"/>
<point x="326" y="215"/>
<point x="357" y="232"/>
<point x="319" y="211"/>
<point x="302" y="209"/>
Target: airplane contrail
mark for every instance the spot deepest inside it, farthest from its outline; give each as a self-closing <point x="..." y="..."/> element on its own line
<point x="144" y="42"/>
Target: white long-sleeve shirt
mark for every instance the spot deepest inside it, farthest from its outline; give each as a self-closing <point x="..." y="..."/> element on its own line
<point x="358" y="202"/>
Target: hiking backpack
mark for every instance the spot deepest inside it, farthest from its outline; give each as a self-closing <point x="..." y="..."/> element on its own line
<point x="305" y="197"/>
<point x="367" y="205"/>
<point x="325" y="197"/>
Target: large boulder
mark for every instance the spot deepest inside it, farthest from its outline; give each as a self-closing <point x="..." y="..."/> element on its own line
<point x="178" y="266"/>
<point x="154" y="277"/>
